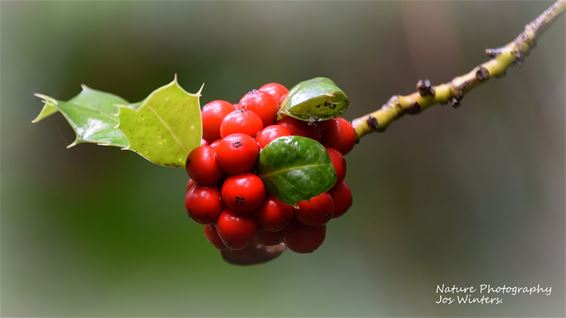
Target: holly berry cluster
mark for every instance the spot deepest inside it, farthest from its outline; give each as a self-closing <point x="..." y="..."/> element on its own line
<point x="226" y="195"/>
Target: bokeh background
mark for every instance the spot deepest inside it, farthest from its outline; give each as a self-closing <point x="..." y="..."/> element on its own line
<point x="461" y="196"/>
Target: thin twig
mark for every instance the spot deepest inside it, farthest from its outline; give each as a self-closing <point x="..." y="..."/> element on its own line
<point x="452" y="92"/>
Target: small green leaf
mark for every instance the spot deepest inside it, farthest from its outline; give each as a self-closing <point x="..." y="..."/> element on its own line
<point x="163" y="128"/>
<point x="315" y="100"/>
<point x="296" y="168"/>
<point x="92" y="114"/>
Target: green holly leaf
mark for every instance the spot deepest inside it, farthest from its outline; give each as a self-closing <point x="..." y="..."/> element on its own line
<point x="92" y="114"/>
<point x="315" y="100"/>
<point x="296" y="168"/>
<point x="163" y="128"/>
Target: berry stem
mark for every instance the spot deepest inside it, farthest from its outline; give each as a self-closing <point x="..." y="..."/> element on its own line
<point x="452" y="92"/>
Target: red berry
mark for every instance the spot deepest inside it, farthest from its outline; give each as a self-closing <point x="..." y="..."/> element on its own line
<point x="190" y="183"/>
<point x="302" y="238"/>
<point x="212" y="115"/>
<point x="339" y="134"/>
<point x="268" y="238"/>
<point x="274" y="215"/>
<point x="276" y="90"/>
<point x="215" y="143"/>
<point x="202" y="167"/>
<point x="317" y="210"/>
<point x="241" y="121"/>
<point x="203" y="142"/>
<point x="342" y="196"/>
<point x="243" y="194"/>
<point x="300" y="128"/>
<point x="261" y="103"/>
<point x="237" y="153"/>
<point x="212" y="236"/>
<point x="203" y="204"/>
<point x="269" y="133"/>
<point x="338" y="162"/>
<point x="236" y="232"/>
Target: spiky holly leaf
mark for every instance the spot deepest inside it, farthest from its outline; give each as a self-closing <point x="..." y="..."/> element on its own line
<point x="92" y="114"/>
<point x="163" y="128"/>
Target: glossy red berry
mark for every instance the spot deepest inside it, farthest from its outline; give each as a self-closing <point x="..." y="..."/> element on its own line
<point x="243" y="194"/>
<point x="302" y="238"/>
<point x="268" y="238"/>
<point x="237" y="153"/>
<point x="215" y="144"/>
<point x="212" y="115"/>
<point x="202" y="167"/>
<point x="203" y="204"/>
<point x="274" y="215"/>
<point x="339" y="163"/>
<point x="269" y="133"/>
<point x="235" y="231"/>
<point x="261" y="103"/>
<point x="300" y="128"/>
<point x="317" y="210"/>
<point x="342" y="196"/>
<point x="241" y="121"/>
<point x="339" y="134"/>
<point x="190" y="183"/>
<point x="278" y="91"/>
<point x="213" y="237"/>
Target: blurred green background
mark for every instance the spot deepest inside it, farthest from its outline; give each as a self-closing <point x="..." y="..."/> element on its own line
<point x="459" y="197"/>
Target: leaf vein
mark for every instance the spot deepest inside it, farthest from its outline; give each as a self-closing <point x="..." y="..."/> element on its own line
<point x="276" y="172"/>
<point x="179" y="142"/>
